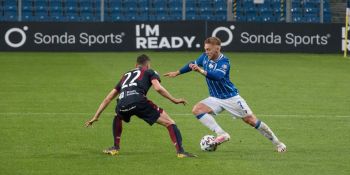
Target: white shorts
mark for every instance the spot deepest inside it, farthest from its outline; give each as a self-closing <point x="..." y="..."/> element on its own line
<point x="236" y="105"/>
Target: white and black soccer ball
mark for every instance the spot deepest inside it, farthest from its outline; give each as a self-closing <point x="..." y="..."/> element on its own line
<point x="207" y="143"/>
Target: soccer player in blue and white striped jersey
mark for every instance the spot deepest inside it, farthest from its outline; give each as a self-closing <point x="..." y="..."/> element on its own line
<point x="223" y="95"/>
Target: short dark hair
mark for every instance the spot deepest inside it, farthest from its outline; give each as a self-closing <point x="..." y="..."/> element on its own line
<point x="213" y="41"/>
<point x="142" y="59"/>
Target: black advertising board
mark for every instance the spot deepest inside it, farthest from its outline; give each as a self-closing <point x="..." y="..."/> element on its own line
<point x="278" y="37"/>
<point x="66" y="37"/>
<point x="99" y="36"/>
<point x="169" y="36"/>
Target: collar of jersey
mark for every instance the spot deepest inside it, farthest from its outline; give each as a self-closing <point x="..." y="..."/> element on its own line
<point x="220" y="57"/>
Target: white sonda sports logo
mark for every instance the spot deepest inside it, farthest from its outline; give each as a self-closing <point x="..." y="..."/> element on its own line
<point x="23" y="37"/>
<point x="228" y="31"/>
<point x="65" y="38"/>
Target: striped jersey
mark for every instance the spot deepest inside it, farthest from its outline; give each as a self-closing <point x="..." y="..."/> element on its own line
<point x="221" y="88"/>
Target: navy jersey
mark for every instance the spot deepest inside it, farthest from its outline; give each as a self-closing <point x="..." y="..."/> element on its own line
<point x="218" y="76"/>
<point x="134" y="85"/>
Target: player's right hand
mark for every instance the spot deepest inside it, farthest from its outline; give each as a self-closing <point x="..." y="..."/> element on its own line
<point x="90" y="122"/>
<point x="172" y="74"/>
<point x="180" y="100"/>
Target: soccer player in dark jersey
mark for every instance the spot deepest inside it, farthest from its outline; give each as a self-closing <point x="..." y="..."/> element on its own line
<point x="132" y="90"/>
<point x="223" y="95"/>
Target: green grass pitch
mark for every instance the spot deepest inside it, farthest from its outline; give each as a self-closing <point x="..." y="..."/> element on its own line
<point x="45" y="98"/>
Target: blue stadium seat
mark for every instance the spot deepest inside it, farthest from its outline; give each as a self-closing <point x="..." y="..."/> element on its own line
<point x="141" y="17"/>
<point x="27" y="8"/>
<point x="220" y="18"/>
<point x="56" y="12"/>
<point x="69" y="4"/>
<point x="205" y="4"/>
<point x="10" y="14"/>
<point x="206" y="11"/>
<point x="9" y="18"/>
<point x="314" y="11"/>
<point x="311" y="19"/>
<point x="296" y="19"/>
<point x="268" y="19"/>
<point x="296" y="11"/>
<point x="159" y="3"/>
<point x="266" y="13"/>
<point x="41" y="2"/>
<point x="296" y="4"/>
<point x="175" y="3"/>
<point x="221" y="13"/>
<point x="10" y="2"/>
<point x="191" y="4"/>
<point x="327" y="18"/>
<point x="72" y="18"/>
<point x="254" y="19"/>
<point x="85" y="3"/>
<point x="41" y="15"/>
<point x="143" y="3"/>
<point x="57" y="18"/>
<point x="55" y="3"/>
<point x="241" y="18"/>
<point x="10" y="8"/>
<point x="87" y="17"/>
<point x="220" y="3"/>
<point x="27" y="3"/>
<point x="175" y="13"/>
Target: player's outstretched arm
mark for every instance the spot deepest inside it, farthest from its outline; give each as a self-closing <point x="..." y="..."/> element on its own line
<point x="162" y="91"/>
<point x="172" y="74"/>
<point x="213" y="75"/>
<point x="102" y="107"/>
<point x="186" y="68"/>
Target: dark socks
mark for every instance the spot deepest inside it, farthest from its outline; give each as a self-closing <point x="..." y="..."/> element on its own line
<point x="117" y="130"/>
<point x="176" y="138"/>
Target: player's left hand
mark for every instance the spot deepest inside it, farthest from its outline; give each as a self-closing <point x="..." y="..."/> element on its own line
<point x="195" y="67"/>
<point x="90" y="122"/>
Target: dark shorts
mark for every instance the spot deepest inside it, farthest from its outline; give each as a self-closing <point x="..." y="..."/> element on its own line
<point x="145" y="110"/>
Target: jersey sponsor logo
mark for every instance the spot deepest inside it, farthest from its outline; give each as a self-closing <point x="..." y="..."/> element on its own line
<point x="127" y="110"/>
<point x="224" y="67"/>
<point x="133" y="92"/>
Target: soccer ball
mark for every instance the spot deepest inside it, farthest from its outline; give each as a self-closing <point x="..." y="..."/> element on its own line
<point x="207" y="143"/>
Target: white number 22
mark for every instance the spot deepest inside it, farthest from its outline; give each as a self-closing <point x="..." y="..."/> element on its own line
<point x="131" y="83"/>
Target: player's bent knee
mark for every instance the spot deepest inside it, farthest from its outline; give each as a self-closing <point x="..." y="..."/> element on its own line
<point x="250" y="119"/>
<point x="165" y="120"/>
<point x="198" y="109"/>
<point x="195" y="110"/>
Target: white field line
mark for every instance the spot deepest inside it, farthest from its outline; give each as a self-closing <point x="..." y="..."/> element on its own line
<point x="174" y="114"/>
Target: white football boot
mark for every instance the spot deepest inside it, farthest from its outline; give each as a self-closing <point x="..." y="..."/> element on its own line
<point x="222" y="138"/>
<point x="281" y="147"/>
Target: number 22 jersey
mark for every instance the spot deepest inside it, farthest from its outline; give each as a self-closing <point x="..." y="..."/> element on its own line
<point x="134" y="85"/>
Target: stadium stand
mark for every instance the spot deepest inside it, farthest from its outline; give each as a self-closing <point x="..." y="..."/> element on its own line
<point x="275" y="11"/>
<point x="9" y="10"/>
<point x="302" y="11"/>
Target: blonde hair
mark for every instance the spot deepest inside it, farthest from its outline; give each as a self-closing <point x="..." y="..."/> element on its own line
<point x="213" y="41"/>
